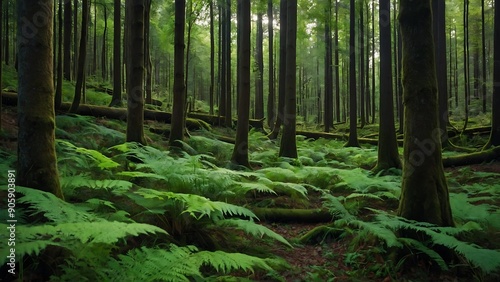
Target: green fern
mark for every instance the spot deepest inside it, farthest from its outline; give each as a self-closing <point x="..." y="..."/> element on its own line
<point x="101" y="160"/>
<point x="252" y="228"/>
<point x="176" y="264"/>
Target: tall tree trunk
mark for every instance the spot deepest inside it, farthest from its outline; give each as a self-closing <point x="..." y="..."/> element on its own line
<point x="1" y="59"/>
<point x="178" y="116"/>
<point x="212" y="56"/>
<point x="271" y="99"/>
<point x="439" y="32"/>
<point x="67" y="39"/>
<point x="82" y="58"/>
<point x="228" y="114"/>
<point x="466" y="63"/>
<point x="388" y="156"/>
<point x="222" y="59"/>
<point x="259" y="80"/>
<point x="423" y="174"/>
<point x="135" y="70"/>
<point x="147" y="53"/>
<point x="190" y="22"/>
<point x="337" y="67"/>
<point x="495" y="106"/>
<point x="353" y="134"/>
<point x="59" y="78"/>
<point x="281" y="80"/>
<point x="104" y="73"/>
<point x="240" y="152"/>
<point x="116" y="100"/>
<point x="373" y="61"/>
<point x="328" y="97"/>
<point x="362" y="65"/>
<point x="37" y="162"/>
<point x="483" y="47"/>
<point x="75" y="37"/>
<point x="288" y="145"/>
<point x="93" y="70"/>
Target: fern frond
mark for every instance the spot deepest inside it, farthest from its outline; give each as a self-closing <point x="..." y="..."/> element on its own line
<point x="101" y="160"/>
<point x="252" y="228"/>
<point x="336" y="208"/>
<point x="70" y="183"/>
<point x="385" y="234"/>
<point x="198" y="206"/>
<point x="52" y="207"/>
<point x="414" y="244"/>
<point x="227" y="262"/>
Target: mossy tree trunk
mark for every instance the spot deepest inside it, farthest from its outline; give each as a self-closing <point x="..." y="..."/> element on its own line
<point x="388" y="156"/>
<point x="288" y="145"/>
<point x="37" y="163"/>
<point x="240" y="152"/>
<point x="495" y="107"/>
<point x="424" y="195"/>
<point x="178" y="117"/>
<point x="135" y="71"/>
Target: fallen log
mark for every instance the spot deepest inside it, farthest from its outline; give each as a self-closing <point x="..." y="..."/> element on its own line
<point x="10" y="99"/>
<point x="319" y="234"/>
<point x="473" y="158"/>
<point x="343" y="137"/>
<point x="293" y="215"/>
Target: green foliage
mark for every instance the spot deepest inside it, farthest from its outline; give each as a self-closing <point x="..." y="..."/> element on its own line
<point x="176" y="264"/>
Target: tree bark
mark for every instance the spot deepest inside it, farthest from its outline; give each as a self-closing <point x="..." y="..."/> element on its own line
<point x="178" y="116"/>
<point x="82" y="57"/>
<point x="353" y="134"/>
<point x="495" y="106"/>
<point x="328" y="97"/>
<point x="424" y="192"/>
<point x="59" y="75"/>
<point x="388" y="156"/>
<point x="37" y="162"/>
<point x="116" y="100"/>
<point x="212" y="56"/>
<point x="259" y="78"/>
<point x="240" y="151"/>
<point x="67" y="39"/>
<point x="288" y="145"/>
<point x="271" y="108"/>
<point x="135" y="71"/>
<point x="282" y="69"/>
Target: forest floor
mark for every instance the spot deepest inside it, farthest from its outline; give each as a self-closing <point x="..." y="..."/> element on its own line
<point x="337" y="258"/>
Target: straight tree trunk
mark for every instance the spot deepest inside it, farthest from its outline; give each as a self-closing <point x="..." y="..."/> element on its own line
<point x="281" y="80"/>
<point x="439" y="32"/>
<point x="147" y="53"/>
<point x="1" y="59"/>
<point x="337" y="62"/>
<point x="328" y="97"/>
<point x="466" y="63"/>
<point x="212" y="56"/>
<point x="93" y="70"/>
<point x="362" y="66"/>
<point x="353" y="134"/>
<point x="116" y="100"/>
<point x="495" y="106"/>
<point x="104" y="73"/>
<point x="240" y="152"/>
<point x="373" y="63"/>
<point x="7" y="33"/>
<point x="228" y="114"/>
<point x="82" y="58"/>
<point x="388" y="156"/>
<point x="483" y="44"/>
<point x="259" y="80"/>
<point x="222" y="58"/>
<point x="75" y="37"/>
<point x="59" y="77"/>
<point x="37" y="162"/>
<point x="135" y="71"/>
<point x="424" y="191"/>
<point x="178" y="115"/>
<point x="67" y="39"/>
<point x="271" y="108"/>
<point x="288" y="147"/>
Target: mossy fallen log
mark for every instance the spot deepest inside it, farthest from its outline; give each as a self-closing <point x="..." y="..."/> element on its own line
<point x="473" y="158"/>
<point x="343" y="137"/>
<point x="293" y="215"/>
<point x="320" y="234"/>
